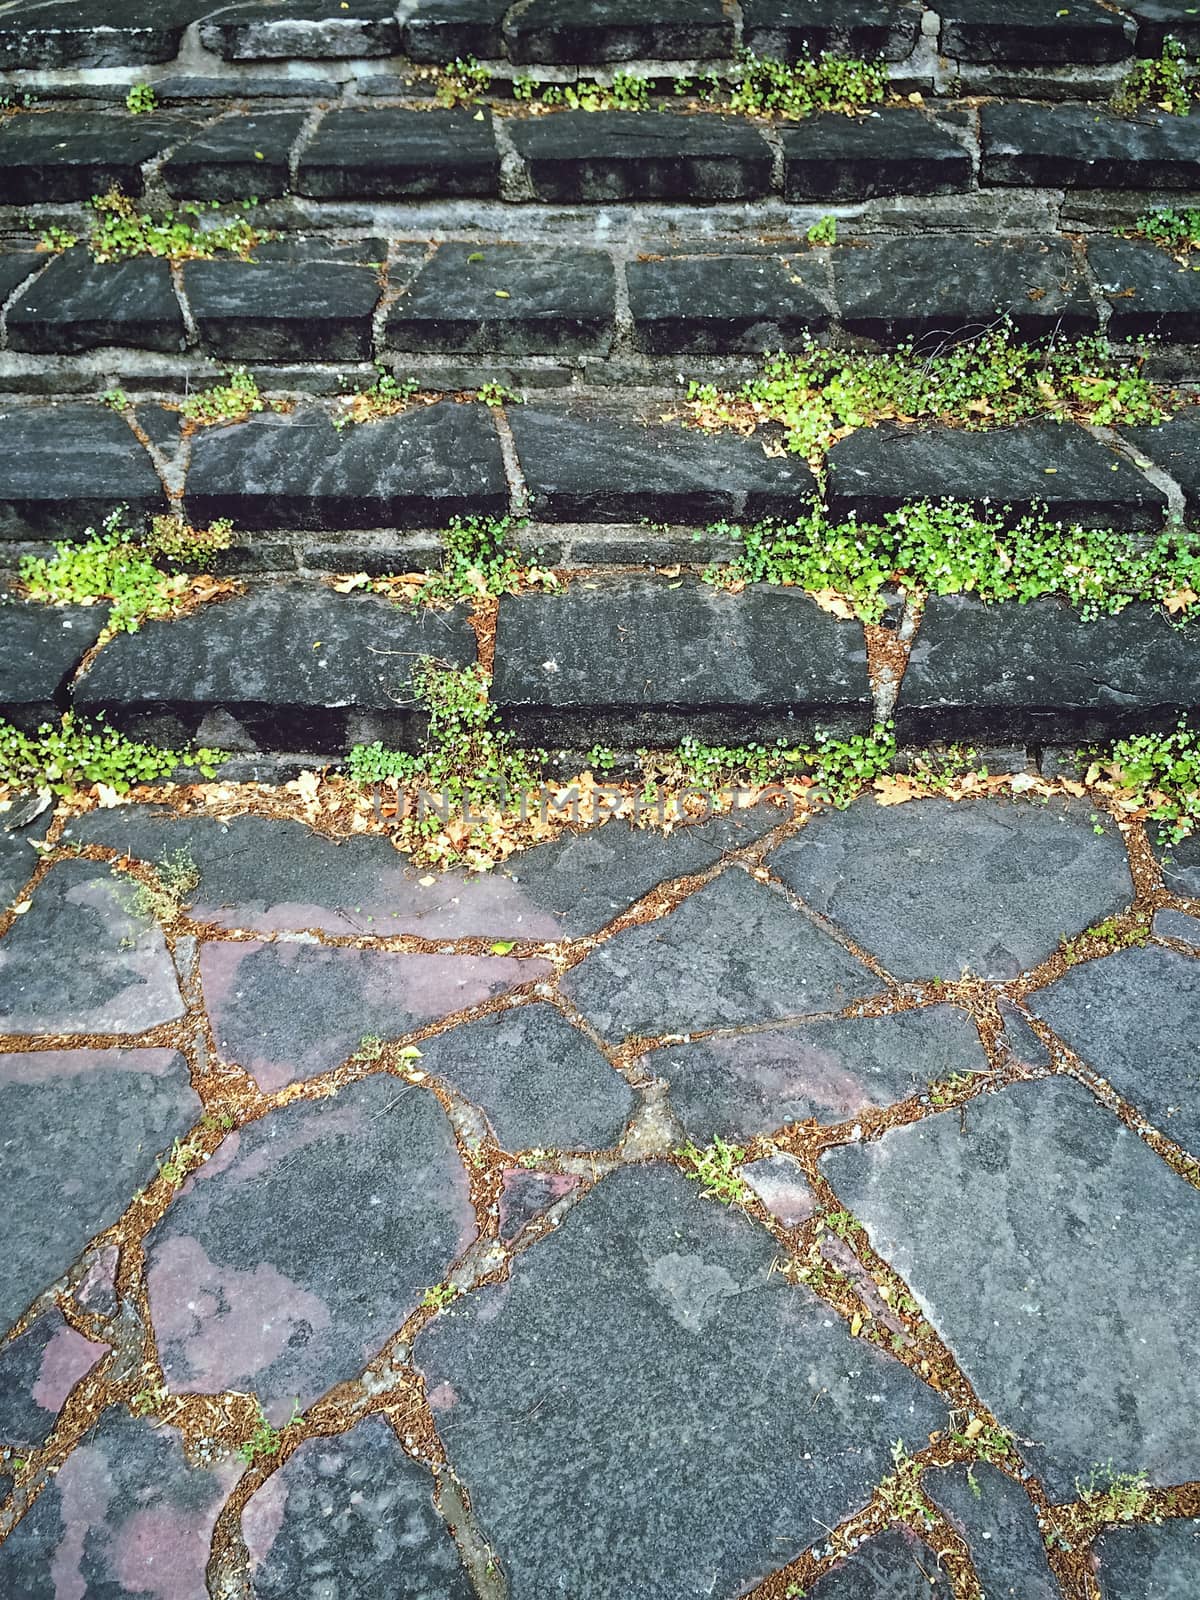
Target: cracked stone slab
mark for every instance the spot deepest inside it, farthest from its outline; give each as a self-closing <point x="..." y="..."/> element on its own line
<point x="289" y="1011"/>
<point x="783" y="1421"/>
<point x="243" y="154"/>
<point x="283" y="310"/>
<point x="285" y="1262"/>
<point x="80" y="1130"/>
<point x="72" y="155"/>
<point x="37" y="1373"/>
<point x="1132" y="1017"/>
<point x="78" y="304"/>
<point x="313" y="30"/>
<point x="895" y="1565"/>
<point x="65" y="466"/>
<point x="82" y="960"/>
<point x="747" y="1084"/>
<point x="996" y="1518"/>
<point x="1083" y="1345"/>
<point x="390" y="154"/>
<point x="1082" y="146"/>
<point x="40" y="647"/>
<point x="1173" y="445"/>
<point x="1148" y="291"/>
<point x="988" y="886"/>
<point x="556" y="31"/>
<point x="790" y="29"/>
<point x="893" y="152"/>
<point x="726" y="304"/>
<point x="1160" y="1563"/>
<point x="542" y="1083"/>
<point x="684" y="972"/>
<point x="124" y="1515"/>
<point x="350" y="1515"/>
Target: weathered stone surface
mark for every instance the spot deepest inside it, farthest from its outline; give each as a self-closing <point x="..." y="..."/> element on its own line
<point x="82" y="960"/>
<point x="683" y="972"/>
<point x="283" y="310"/>
<point x="989" y="886"/>
<point x="62" y="466"/>
<point x="388" y="154"/>
<point x="40" y="647"/>
<point x="287" y="1260"/>
<point x="414" y="470"/>
<point x="78" y="303"/>
<point x="1078" y="146"/>
<point x="726" y="304"/>
<point x="996" y="1518"/>
<point x="72" y="155"/>
<point x="546" y="31"/>
<point x="124" y="1515"/>
<point x="691" y="660"/>
<point x="587" y="156"/>
<point x="834" y="157"/>
<point x="443" y="30"/>
<point x="1132" y="1017"/>
<point x="1175" y="446"/>
<point x="1037" y="32"/>
<point x="780" y="1184"/>
<point x="37" y="1373"/>
<point x="525" y="299"/>
<point x="1175" y="925"/>
<point x="754" y="1083"/>
<point x="1158" y="20"/>
<point x="1019" y="1039"/>
<point x="1098" y="1340"/>
<point x="289" y="1011"/>
<point x="80" y="1131"/>
<point x="799" y="28"/>
<point x="264" y="30"/>
<point x="298" y="666"/>
<point x="15" y="267"/>
<point x="1057" y="465"/>
<point x="1036" y="671"/>
<point x="241" y="155"/>
<point x="715" y="1348"/>
<point x="526" y="1194"/>
<point x="941" y="288"/>
<point x="605" y="469"/>
<point x="348" y="1514"/>
<point x="542" y="1083"/>
<point x="893" y="1566"/>
<point x="88" y="33"/>
<point x="17" y="859"/>
<point x="1148" y="290"/>
<point x="1153" y="1563"/>
<point x="1180" y="865"/>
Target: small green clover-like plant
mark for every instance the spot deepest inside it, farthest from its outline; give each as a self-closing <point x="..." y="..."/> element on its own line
<point x="141" y="99"/>
<point x="74" y="754"/>
<point x="265" y="1441"/>
<point x="1115" y="1496"/>
<point x="439" y="1297"/>
<point x="1174" y="230"/>
<point x="823" y="232"/>
<point x="232" y="401"/>
<point x="626" y="92"/>
<point x="461" y="82"/>
<point x="387" y="396"/>
<point x="479" y="559"/>
<point x="55" y="239"/>
<point x="119" y="232"/>
<point x="715" y="1169"/>
<point x="1165" y="83"/>
<point x="116" y="400"/>
<point x="495" y="394"/>
<point x="795" y="89"/>
<point x="1162" y="772"/>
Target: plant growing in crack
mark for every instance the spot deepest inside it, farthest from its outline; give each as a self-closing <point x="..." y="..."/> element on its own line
<point x="1165" y="83"/>
<point x="74" y="754"/>
<point x="185" y="1157"/>
<point x="141" y="99"/>
<point x="901" y="1494"/>
<point x="264" y="1440"/>
<point x="439" y="1297"/>
<point x="1113" y="1496"/>
<point x="175" y="879"/>
<point x="234" y="400"/>
<point x="387" y="396"/>
<point x="715" y="1169"/>
<point x="118" y="231"/>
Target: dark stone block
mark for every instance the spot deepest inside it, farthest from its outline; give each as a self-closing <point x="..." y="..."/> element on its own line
<point x="242" y="155"/>
<point x="355" y="1505"/>
<point x="88" y="33"/>
<point x="635" y="661"/>
<point x="315" y="30"/>
<point x="1158" y="20"/>
<point x="78" y="303"/>
<point x="1175" y="446"/>
<point x="37" y="1373"/>
<point x="890" y="152"/>
<point x="520" y="299"/>
<point x="585" y="156"/>
<point x="1152" y="1563"/>
<point x="1036" y="672"/>
<point x="1035" y="32"/>
<point x="1148" y="290"/>
<point x="15" y="267"/>
<point x="1181" y="865"/>
<point x="443" y="30"/>
<point x="288" y="1260"/>
<point x="282" y="310"/>
<point x="796" y="28"/>
<point x="605" y="469"/>
<point x="1019" y="1039"/>
<point x="64" y="466"/>
<point x="17" y="858"/>
<point x="82" y="1129"/>
<point x="748" y="1084"/>
<point x="988" y="886"/>
<point x="725" y="1358"/>
<point x="892" y="1566"/>
<point x="72" y="155"/>
<point x="1088" y="1260"/>
<point x="40" y="647"/>
<point x="726" y="304"/>
<point x="556" y="31"/>
<point x="413" y="470"/>
<point x="390" y="154"/>
<point x="1177" y="925"/>
<point x="941" y="289"/>
<point x="996" y="1518"/>
<point x="296" y="665"/>
<point x="1058" y="466"/>
<point x="688" y="971"/>
<point x="1072" y="146"/>
<point x="1130" y="1016"/>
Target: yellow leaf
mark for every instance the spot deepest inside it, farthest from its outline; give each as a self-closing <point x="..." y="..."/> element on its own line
<point x="892" y="791"/>
<point x="348" y="584"/>
<point x="830" y="600"/>
<point x="973" y="1428"/>
<point x="856" y="1325"/>
<point x="1179" y="600"/>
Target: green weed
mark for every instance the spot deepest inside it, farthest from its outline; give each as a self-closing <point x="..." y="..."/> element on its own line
<point x="715" y="1169"/>
<point x="823" y="232"/>
<point x="232" y="401"/>
<point x="1174" y="230"/>
<point x="1115" y="1496"/>
<point x="140" y="99"/>
<point x="71" y="755"/>
<point x="119" y="232"/>
<point x="1162" y="771"/>
<point x="1165" y="83"/>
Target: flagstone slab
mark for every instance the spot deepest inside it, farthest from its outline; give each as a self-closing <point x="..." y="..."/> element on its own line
<point x="1082" y="146"/>
<point x="548" y="31"/>
<point x="65" y="467"/>
<point x="893" y="152"/>
<point x="80" y="1131"/>
<point x="1160" y="1563"/>
<point x="1057" y="1256"/>
<point x="391" y="154"/>
<point x="240" y="156"/>
<point x="78" y="304"/>
<point x="1174" y="446"/>
<point x="893" y="1566"/>
<point x="283" y="310"/>
<point x="40" y="647"/>
<point x="88" y="33"/>
<point x="1034" y="32"/>
<point x="1177" y="925"/>
<point x="725" y="303"/>
<point x="796" y="28"/>
<point x="37" y="1373"/>
<point x="990" y="886"/>
<point x="780" y="1184"/>
<point x="996" y="1518"/>
<point x="314" y="30"/>
<point x="286" y="1261"/>
<point x="782" y="1423"/>
<point x="445" y="30"/>
<point x="526" y="1193"/>
<point x="1148" y="291"/>
<point x="72" y="155"/>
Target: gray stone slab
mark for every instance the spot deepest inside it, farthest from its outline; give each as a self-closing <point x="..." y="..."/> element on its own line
<point x="688" y="971"/>
<point x="837" y="158"/>
<point x="242" y="156"/>
<point x="444" y="30"/>
<point x="285" y="1262"/>
<point x="16" y="266"/>
<point x="87" y="33"/>
<point x="78" y="304"/>
<point x="64" y="466"/>
<point x="17" y="859"/>
<point x="351" y="1514"/>
<point x="40" y="647"/>
<point x="1071" y="1311"/>
<point x="1175" y="925"/>
<point x="38" y="1370"/>
<point x="1132" y="1016"/>
<point x="1037" y="33"/>
<point x="1019" y="1038"/>
<point x="1159" y="20"/>
<point x="746" y="1406"/>
<point x="937" y="887"/>
<point x="1175" y="446"/>
<point x="526" y="1193"/>
<point x="780" y="1184"/>
<point x="1150" y="1563"/>
<point x="83" y="960"/>
<point x="80" y="1131"/>
<point x="1149" y="292"/>
<point x="1180" y="864"/>
<point x="315" y="30"/>
<point x="546" y="31"/>
<point x="283" y="310"/>
<point x="726" y="304"/>
<point x="289" y="1011"/>
<point x="754" y="1083"/>
<point x="893" y="1566"/>
<point x="996" y="1518"/>
<point x="392" y="154"/>
<point x="790" y="29"/>
<point x="72" y="155"/>
<point x="1082" y="146"/>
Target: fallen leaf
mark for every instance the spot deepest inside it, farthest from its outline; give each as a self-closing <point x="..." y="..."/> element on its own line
<point x="502" y="946"/>
<point x="830" y="600"/>
<point x="1179" y="600"/>
<point x="892" y="791"/>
